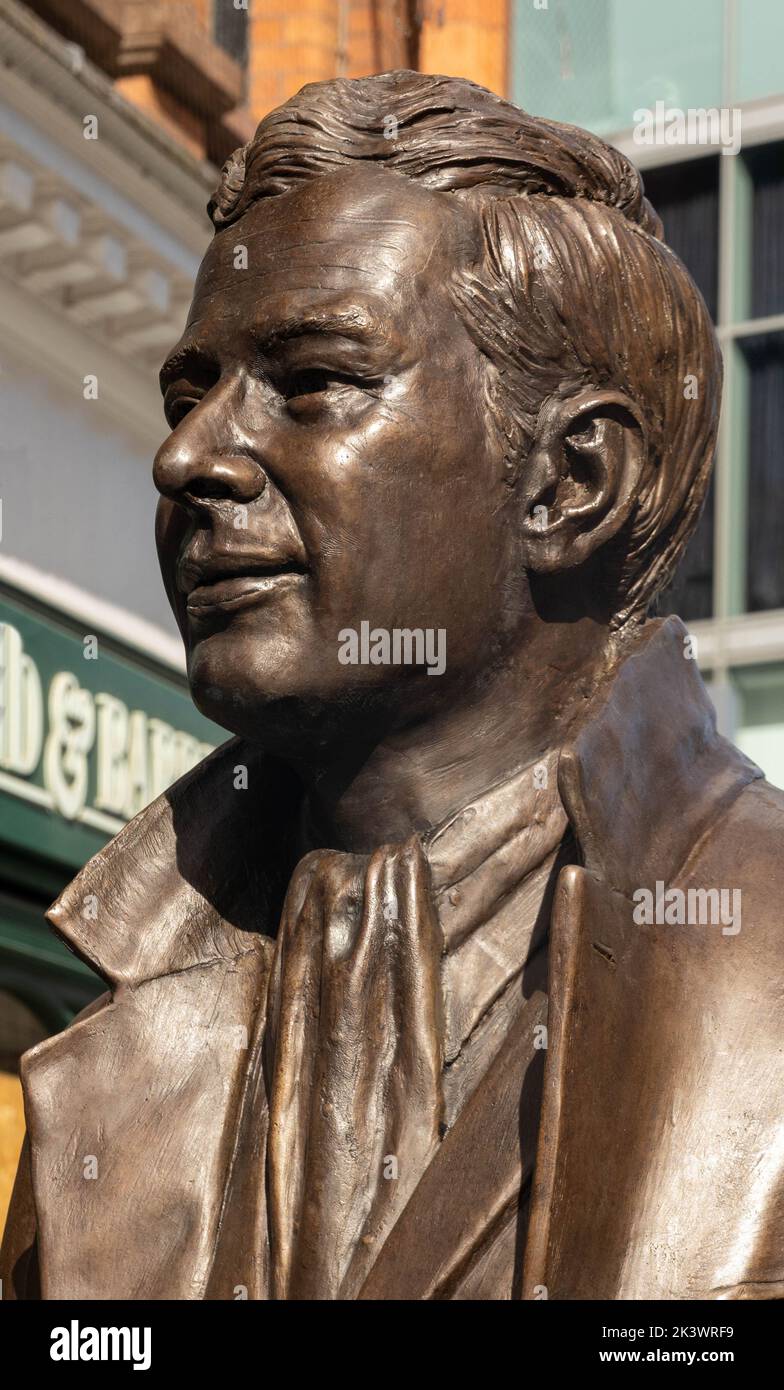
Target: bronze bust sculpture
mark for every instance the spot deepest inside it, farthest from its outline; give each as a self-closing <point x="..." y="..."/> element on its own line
<point x="455" y="974"/>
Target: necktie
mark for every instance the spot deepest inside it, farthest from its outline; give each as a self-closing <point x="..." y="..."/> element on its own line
<point x="354" y="1057"/>
<point x="384" y="966"/>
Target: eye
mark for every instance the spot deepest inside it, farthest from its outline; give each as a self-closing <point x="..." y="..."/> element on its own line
<point x="310" y="381"/>
<point x="312" y="391"/>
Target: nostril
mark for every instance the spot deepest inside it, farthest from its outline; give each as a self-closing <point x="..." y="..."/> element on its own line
<point x="234" y="476"/>
<point x="207" y="489"/>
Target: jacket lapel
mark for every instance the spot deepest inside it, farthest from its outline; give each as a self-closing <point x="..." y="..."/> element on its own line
<point x="641" y="1091"/>
<point x="473" y="1183"/>
<point x="154" y="1077"/>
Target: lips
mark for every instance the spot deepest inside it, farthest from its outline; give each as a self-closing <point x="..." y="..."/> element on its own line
<point x="230" y="585"/>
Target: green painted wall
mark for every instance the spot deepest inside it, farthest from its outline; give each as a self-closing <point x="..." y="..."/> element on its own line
<point x="70" y="775"/>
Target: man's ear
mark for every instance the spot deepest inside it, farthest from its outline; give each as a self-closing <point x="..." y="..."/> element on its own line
<point x="581" y="478"/>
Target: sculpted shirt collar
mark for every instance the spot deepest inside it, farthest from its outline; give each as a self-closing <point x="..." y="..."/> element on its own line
<point x="186" y="883"/>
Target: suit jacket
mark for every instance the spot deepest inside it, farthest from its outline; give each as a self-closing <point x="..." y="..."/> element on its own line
<point x="646" y="1164"/>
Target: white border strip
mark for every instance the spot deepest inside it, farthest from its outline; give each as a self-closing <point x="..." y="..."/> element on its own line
<point x="109" y="618"/>
<point x="762" y="120"/>
<point x="753" y="639"/>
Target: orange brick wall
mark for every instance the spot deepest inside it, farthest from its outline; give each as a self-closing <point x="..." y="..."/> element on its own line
<point x="355" y="38"/>
<point x="183" y="125"/>
<point x="289" y="47"/>
<point x="290" y="43"/>
<point x="467" y="38"/>
<point x="12" y="1128"/>
<point x="203" y="10"/>
<point x="379" y="37"/>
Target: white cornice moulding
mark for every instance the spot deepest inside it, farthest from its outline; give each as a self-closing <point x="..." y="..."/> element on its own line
<point x="100" y="239"/>
<point x="54" y="85"/>
<point x="44" y="340"/>
<point x="82" y="292"/>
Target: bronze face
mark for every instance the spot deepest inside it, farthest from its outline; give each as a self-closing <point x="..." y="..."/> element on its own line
<point x="330" y="460"/>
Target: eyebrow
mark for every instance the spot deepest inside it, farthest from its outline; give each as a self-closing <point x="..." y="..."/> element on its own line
<point x="355" y="323"/>
<point x="188" y="356"/>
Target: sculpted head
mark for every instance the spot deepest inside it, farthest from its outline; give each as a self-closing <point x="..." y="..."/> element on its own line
<point x="433" y="376"/>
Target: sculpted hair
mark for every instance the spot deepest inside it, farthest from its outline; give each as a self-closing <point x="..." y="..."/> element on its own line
<point x="576" y="286"/>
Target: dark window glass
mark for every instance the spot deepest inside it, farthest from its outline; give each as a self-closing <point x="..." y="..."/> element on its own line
<point x="766" y="166"/>
<point x="764" y="354"/>
<point x="231" y="29"/>
<point x="690" y="594"/>
<point x="686" y="197"/>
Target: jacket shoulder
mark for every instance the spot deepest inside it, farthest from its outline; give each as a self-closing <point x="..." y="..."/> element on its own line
<point x="743" y="853"/>
<point x="757" y="816"/>
<point x="768" y="800"/>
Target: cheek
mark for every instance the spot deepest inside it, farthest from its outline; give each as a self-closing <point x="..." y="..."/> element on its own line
<point x="171" y="526"/>
<point x="169" y="530"/>
<point x="422" y="543"/>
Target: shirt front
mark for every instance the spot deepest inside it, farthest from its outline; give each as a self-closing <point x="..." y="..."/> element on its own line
<point x="394" y="982"/>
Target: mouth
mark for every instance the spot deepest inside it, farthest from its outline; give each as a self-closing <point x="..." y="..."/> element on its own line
<point x="209" y="590"/>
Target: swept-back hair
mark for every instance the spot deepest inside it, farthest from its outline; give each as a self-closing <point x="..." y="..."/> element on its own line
<point x="576" y="286"/>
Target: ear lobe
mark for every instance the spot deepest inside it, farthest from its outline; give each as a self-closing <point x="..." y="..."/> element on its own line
<point x="581" y="479"/>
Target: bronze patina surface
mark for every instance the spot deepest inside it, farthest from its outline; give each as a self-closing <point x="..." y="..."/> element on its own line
<point x="457" y="972"/>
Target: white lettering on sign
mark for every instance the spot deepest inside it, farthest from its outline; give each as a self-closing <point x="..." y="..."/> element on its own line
<point x="137" y="756"/>
<point x="70" y="738"/>
<point x="21" y="705"/>
<point x="112" y="752"/>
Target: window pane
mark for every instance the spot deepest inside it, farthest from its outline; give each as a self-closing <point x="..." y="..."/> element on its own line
<point x="686" y="197"/>
<point x="764" y="356"/>
<point x="231" y="30"/>
<point x="760" y="731"/>
<point x="766" y="167"/>
<point x="760" y="49"/>
<point x="595" y="62"/>
<point x="690" y="594"/>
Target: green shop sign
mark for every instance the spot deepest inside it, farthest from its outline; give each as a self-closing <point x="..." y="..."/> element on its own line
<point x="90" y="732"/>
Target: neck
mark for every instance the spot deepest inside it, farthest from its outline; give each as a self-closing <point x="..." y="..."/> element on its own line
<point x="414" y="777"/>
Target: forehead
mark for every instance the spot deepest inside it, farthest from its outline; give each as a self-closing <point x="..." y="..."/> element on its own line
<point x="358" y="234"/>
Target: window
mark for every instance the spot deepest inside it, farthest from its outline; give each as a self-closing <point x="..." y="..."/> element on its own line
<point x="760" y="43"/>
<point x="230" y="28"/>
<point x="760" y="719"/>
<point x="764" y="358"/>
<point x="686" y="197"/>
<point x="764" y="168"/>
<point x="594" y="62"/>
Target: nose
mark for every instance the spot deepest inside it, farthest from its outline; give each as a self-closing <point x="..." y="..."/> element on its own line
<point x="205" y="458"/>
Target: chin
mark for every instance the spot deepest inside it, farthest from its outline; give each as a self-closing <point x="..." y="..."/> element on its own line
<point x="292" y="706"/>
<point x="278" y="703"/>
